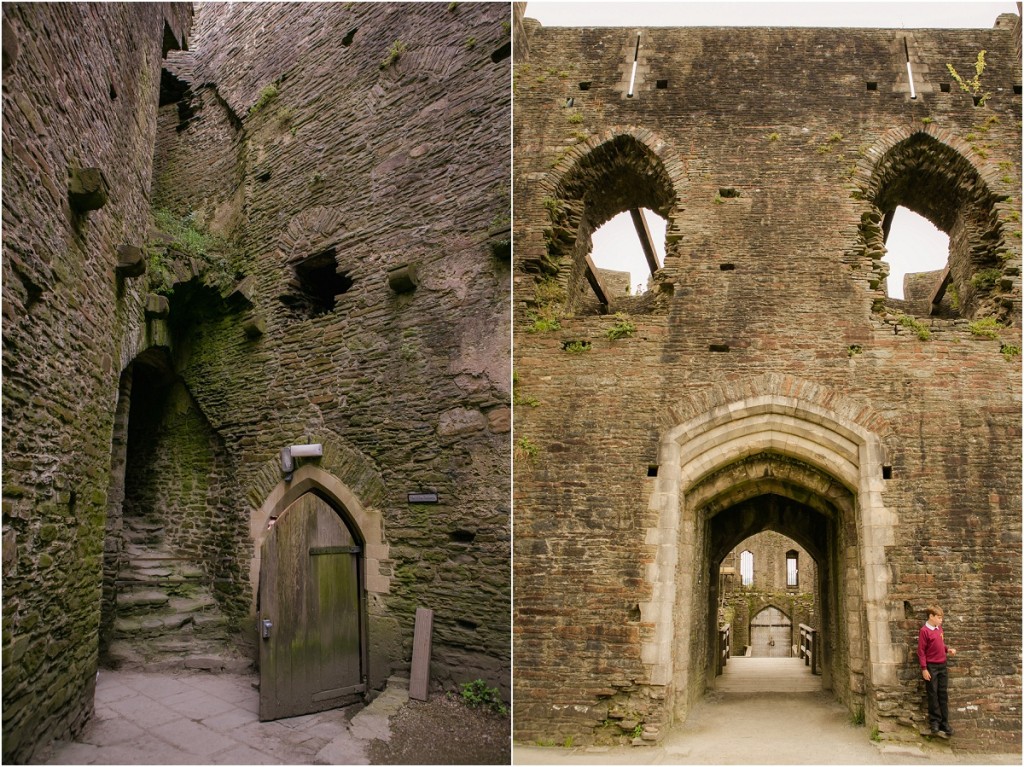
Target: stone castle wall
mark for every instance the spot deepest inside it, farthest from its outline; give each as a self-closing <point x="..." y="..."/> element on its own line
<point x="80" y="85"/>
<point x="774" y="154"/>
<point x="371" y="137"/>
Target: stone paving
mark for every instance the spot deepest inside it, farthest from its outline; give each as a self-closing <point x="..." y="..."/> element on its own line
<point x="202" y="718"/>
<point x="764" y="728"/>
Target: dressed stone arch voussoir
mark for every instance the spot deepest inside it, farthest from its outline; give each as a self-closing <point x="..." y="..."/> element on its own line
<point x="349" y="487"/>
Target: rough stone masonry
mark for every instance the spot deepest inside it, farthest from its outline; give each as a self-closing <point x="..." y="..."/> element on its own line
<point x="767" y="380"/>
<point x="267" y="225"/>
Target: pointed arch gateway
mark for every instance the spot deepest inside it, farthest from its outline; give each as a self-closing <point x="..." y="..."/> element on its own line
<point x="773" y="453"/>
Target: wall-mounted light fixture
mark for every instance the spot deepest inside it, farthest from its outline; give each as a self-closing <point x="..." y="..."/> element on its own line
<point x="289" y="454"/>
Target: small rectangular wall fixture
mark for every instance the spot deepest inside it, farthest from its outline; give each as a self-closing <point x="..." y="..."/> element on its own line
<point x="422" y="497"/>
<point x="290" y="453"/>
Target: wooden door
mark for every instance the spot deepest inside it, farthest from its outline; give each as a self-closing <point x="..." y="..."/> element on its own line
<point x="310" y="613"/>
<point x="771" y="633"/>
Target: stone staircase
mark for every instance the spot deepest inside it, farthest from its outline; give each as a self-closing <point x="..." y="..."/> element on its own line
<point x="167" y="618"/>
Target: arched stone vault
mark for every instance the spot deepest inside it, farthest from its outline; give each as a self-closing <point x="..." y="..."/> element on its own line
<point x="836" y="447"/>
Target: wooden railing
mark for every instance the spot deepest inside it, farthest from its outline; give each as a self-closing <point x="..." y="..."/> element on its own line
<point x="724" y="634"/>
<point x="809" y="648"/>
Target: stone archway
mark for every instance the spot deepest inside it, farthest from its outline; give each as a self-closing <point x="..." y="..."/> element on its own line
<point x="366" y="522"/>
<point x="831" y="489"/>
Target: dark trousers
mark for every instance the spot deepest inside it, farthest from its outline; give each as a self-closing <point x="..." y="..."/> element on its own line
<point x="938" y="701"/>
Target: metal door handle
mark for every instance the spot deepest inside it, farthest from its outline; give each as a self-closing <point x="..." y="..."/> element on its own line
<point x="267" y="625"/>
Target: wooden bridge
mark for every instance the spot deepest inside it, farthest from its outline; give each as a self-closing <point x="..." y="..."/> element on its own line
<point x="745" y="675"/>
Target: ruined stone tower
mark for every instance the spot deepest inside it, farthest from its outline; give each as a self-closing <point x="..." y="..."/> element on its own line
<point x="276" y="225"/>
<point x="767" y="381"/>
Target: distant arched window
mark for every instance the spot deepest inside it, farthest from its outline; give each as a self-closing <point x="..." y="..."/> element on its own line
<point x="746" y="568"/>
<point x="792" y="569"/>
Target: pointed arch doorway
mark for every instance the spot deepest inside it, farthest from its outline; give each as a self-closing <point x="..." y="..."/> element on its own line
<point x="312" y="612"/>
<point x="754" y="457"/>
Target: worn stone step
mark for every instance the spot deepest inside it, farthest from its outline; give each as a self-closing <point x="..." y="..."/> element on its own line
<point x="141" y="599"/>
<point x="192" y="604"/>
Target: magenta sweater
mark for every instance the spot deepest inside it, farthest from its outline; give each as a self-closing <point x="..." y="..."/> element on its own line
<point x="931" y="647"/>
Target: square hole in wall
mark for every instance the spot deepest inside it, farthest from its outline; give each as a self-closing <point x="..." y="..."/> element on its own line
<point x="585" y="86"/>
<point x="661" y="84"/>
<point x="652" y="470"/>
<point x="316" y="284"/>
<point x="1016" y="89"/>
<point x="944" y="87"/>
<point x="872" y="85"/>
<point x="887" y="472"/>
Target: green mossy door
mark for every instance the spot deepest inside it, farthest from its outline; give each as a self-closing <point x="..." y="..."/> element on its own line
<point x="310" y="653"/>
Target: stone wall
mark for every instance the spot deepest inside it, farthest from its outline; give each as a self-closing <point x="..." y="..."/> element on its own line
<point x="320" y="195"/>
<point x="80" y="88"/>
<point x="740" y="603"/>
<point x="774" y="155"/>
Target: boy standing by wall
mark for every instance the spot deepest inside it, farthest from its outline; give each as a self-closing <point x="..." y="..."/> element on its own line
<point x="931" y="652"/>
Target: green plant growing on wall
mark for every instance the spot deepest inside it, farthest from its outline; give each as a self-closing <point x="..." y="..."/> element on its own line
<point x="774" y="136"/>
<point x="954" y="296"/>
<point x="876" y="736"/>
<point x="576" y="347"/>
<point x="1009" y="351"/>
<point x="267" y="95"/>
<point x="553" y="206"/>
<point x="638" y="730"/>
<point x="972" y="86"/>
<point x="470" y="43"/>
<point x="854" y="350"/>
<point x="567" y="743"/>
<point x="526" y="449"/>
<point x="394" y="54"/>
<point x="543" y="324"/>
<point x="519" y="398"/>
<point x="623" y="328"/>
<point x="988" y="327"/>
<point x="918" y="327"/>
<point x="186" y="236"/>
<point x="576" y="118"/>
<point x="857" y="717"/>
<point x="986" y="279"/>
<point x="477" y="694"/>
<point x="927" y="120"/>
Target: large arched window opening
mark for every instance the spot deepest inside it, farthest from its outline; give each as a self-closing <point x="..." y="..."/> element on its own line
<point x="937" y="182"/>
<point x="621" y="175"/>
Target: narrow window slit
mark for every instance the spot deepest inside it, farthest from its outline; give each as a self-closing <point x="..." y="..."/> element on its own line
<point x="887" y="472"/>
<point x="632" y="77"/>
<point x="718" y="348"/>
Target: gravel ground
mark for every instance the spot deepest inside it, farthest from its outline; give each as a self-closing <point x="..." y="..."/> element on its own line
<point x="444" y="730"/>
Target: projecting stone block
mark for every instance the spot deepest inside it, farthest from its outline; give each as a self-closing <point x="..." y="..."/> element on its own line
<point x="243" y="292"/>
<point x="130" y="261"/>
<point x="403" y="279"/>
<point x="157" y="306"/>
<point x="87" y="189"/>
<point x="254" y="327"/>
